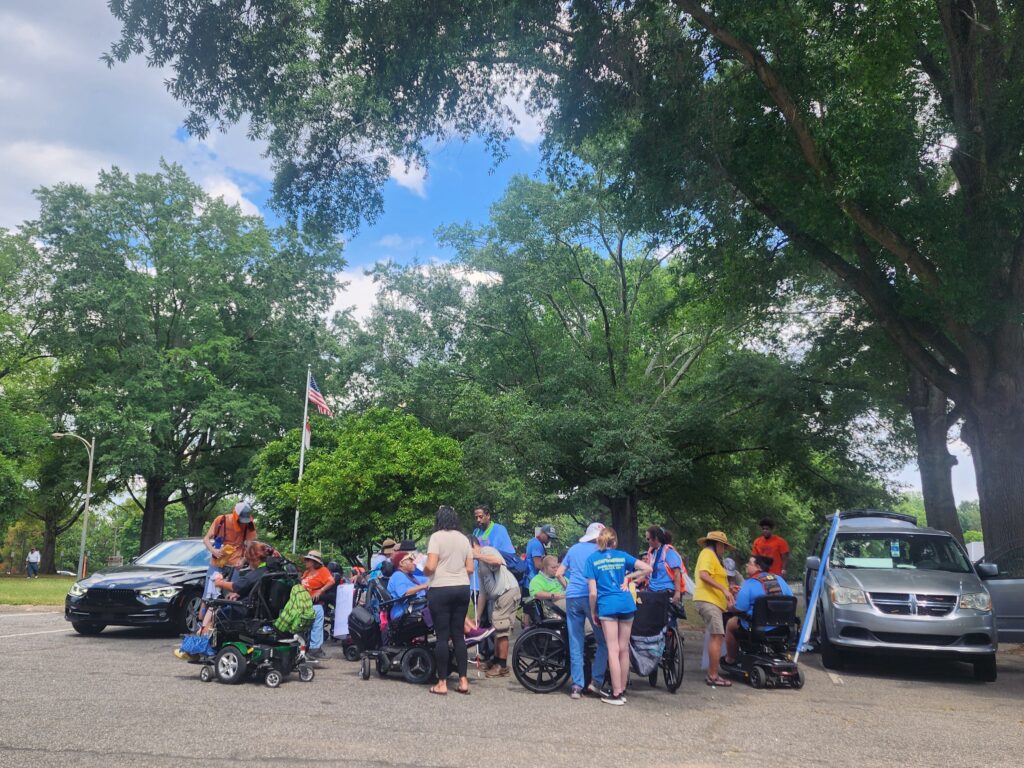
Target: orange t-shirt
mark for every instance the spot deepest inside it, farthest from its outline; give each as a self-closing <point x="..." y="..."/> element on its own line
<point x="316" y="578"/>
<point x="775" y="548"/>
<point x="234" y="534"/>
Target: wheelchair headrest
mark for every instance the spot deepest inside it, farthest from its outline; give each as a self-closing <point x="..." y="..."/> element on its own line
<point x="774" y="610"/>
<point x="387" y="568"/>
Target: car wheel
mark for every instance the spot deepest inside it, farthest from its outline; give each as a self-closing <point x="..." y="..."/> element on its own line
<point x="230" y="665"/>
<point x="758" y="677"/>
<point x="985" y="669"/>
<point x="190" y="623"/>
<point x="272" y="678"/>
<point x="88" y="627"/>
<point x="306" y="673"/>
<point x="831" y="657"/>
<point x="418" y="666"/>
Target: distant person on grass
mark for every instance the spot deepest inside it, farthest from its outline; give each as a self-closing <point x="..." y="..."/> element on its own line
<point x="32" y="563"/>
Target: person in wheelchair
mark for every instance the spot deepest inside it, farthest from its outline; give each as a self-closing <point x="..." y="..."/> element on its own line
<point x="241" y="584"/>
<point x="546" y="585"/>
<point x="404" y="584"/>
<point x="759" y="582"/>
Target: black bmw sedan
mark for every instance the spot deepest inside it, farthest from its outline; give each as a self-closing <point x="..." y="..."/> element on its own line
<point x="162" y="586"/>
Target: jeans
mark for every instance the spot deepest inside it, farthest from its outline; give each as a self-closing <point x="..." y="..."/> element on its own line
<point x="448" y="607"/>
<point x="577" y="613"/>
<point x="32" y="570"/>
<point x="316" y="635"/>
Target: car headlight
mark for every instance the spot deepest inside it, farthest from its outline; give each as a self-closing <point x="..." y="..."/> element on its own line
<point x="77" y="590"/>
<point x="976" y="601"/>
<point x="158" y="592"/>
<point x="847" y="596"/>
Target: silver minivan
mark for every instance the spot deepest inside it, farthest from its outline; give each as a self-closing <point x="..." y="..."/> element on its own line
<point x="891" y="587"/>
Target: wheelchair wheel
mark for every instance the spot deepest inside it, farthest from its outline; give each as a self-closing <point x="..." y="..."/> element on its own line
<point x="273" y="678"/>
<point x="798" y="680"/>
<point x="672" y="660"/>
<point x="230" y="665"/>
<point x="351" y="653"/>
<point x="758" y="678"/>
<point x="418" y="666"/>
<point x="364" y="668"/>
<point x="540" y="660"/>
<point x="383" y="665"/>
<point x="207" y="673"/>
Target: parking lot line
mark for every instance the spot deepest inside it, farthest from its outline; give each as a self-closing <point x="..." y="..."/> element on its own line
<point x="836" y="679"/>
<point x="28" y="615"/>
<point x="26" y="634"/>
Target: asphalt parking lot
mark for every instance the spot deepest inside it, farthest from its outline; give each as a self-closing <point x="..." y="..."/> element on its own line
<point x="123" y="699"/>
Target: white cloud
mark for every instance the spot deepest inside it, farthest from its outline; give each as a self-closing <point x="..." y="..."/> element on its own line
<point x="64" y="116"/>
<point x="412" y="176"/>
<point x="356" y="290"/>
<point x="398" y="242"/>
<point x="223" y="187"/>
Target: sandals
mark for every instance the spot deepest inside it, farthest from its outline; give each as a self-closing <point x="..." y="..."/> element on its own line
<point x="719" y="681"/>
<point x="433" y="690"/>
<point x="464" y="691"/>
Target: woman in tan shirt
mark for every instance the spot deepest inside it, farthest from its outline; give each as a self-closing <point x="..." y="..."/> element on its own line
<point x="449" y="564"/>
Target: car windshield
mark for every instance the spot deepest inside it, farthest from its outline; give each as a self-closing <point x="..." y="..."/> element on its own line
<point x="186" y="553"/>
<point x="898" y="549"/>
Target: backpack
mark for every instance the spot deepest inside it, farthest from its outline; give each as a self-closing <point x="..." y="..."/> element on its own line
<point x="516" y="566"/>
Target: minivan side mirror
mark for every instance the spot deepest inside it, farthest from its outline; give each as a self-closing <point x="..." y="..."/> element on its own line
<point x="813" y="563"/>
<point x="987" y="570"/>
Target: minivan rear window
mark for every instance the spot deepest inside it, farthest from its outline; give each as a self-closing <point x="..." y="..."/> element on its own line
<point x="898" y="550"/>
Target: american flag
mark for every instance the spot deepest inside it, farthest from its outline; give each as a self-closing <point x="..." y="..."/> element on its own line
<point x="317" y="399"/>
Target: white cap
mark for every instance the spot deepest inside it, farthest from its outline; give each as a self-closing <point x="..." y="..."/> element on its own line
<point x="593" y="530"/>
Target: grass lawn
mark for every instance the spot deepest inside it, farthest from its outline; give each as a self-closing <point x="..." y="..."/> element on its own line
<point x="46" y="590"/>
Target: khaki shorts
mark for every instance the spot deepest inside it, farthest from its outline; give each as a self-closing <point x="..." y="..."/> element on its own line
<point x="503" y="612"/>
<point x="712" y="616"/>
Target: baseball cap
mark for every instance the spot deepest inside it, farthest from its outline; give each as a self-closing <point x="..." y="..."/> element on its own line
<point x="244" y="512"/>
<point x="549" y="530"/>
<point x="593" y="530"/>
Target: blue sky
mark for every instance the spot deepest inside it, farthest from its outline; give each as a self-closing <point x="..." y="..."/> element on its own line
<point x="64" y="116"/>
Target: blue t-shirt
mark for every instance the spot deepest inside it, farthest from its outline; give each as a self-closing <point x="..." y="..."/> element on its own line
<point x="575" y="562"/>
<point x="398" y="585"/>
<point x="534" y="548"/>
<point x="750" y="591"/>
<point x="608" y="569"/>
<point x="495" y="535"/>
<point x="660" y="580"/>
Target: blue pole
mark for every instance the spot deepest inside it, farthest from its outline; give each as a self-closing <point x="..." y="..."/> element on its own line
<point x="812" y="603"/>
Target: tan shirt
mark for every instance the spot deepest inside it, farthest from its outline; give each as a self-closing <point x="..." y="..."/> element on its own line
<point x="452" y="549"/>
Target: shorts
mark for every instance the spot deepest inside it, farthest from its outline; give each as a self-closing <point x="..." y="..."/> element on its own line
<point x="503" y="612"/>
<point x="211" y="592"/>
<point x="625" y="616"/>
<point x="712" y="616"/>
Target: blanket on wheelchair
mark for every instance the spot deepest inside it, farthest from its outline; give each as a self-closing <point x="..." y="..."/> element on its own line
<point x="297" y="612"/>
<point x="646" y="651"/>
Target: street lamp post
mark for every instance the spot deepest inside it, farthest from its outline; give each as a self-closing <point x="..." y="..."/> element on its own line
<point x="91" y="448"/>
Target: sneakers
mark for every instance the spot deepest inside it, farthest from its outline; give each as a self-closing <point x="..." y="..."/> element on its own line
<point x="497" y="671"/>
<point x="595" y="690"/>
<point x="477" y="635"/>
<point x="615" y="701"/>
<point x="576" y="692"/>
<point x="316" y="653"/>
<point x="185" y="656"/>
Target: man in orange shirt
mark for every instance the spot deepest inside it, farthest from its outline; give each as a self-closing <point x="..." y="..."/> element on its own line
<point x="773" y="546"/>
<point x="317" y="579"/>
<point x="225" y="541"/>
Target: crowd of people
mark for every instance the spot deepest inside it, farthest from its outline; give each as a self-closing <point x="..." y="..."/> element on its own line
<point x="594" y="582"/>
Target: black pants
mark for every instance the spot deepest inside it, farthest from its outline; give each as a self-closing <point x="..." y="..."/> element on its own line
<point x="448" y="607"/>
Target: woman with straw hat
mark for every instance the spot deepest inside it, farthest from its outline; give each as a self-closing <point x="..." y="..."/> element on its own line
<point x="713" y="597"/>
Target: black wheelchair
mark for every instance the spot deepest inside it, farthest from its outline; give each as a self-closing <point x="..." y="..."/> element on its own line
<point x="540" y="656"/>
<point x="765" y="658"/>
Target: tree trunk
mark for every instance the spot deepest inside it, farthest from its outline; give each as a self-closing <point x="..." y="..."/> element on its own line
<point x="996" y="439"/>
<point x="624" y="520"/>
<point x="198" y="504"/>
<point x="49" y="550"/>
<point x="153" y="514"/>
<point x="928" y="410"/>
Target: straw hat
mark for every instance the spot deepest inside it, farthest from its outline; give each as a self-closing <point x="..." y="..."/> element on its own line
<point x="388" y="546"/>
<point x="315" y="556"/>
<point x="718" y="536"/>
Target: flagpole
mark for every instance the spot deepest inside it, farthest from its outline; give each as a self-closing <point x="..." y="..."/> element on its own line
<point x="302" y="453"/>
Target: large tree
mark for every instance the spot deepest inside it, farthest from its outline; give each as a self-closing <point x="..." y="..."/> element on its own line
<point x="879" y="140"/>
<point x="182" y="330"/>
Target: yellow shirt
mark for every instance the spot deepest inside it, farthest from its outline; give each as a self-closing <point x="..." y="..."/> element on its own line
<point x="708" y="561"/>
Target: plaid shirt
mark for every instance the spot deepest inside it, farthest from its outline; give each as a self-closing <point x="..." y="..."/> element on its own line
<point x="297" y="612"/>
